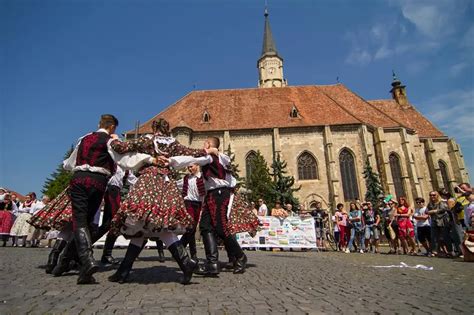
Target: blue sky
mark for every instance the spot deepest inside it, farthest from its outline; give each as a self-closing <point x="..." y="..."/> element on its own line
<point x="63" y="63"/>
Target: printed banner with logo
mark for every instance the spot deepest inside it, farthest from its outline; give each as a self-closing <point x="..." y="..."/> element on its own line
<point x="292" y="232"/>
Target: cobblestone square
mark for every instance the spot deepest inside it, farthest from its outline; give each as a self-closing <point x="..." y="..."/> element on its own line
<point x="275" y="282"/>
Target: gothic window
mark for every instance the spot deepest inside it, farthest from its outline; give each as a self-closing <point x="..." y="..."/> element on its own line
<point x="348" y="175"/>
<point x="294" y="112"/>
<point x="206" y="117"/>
<point x="444" y="174"/>
<point x="396" y="174"/>
<point x="251" y="156"/>
<point x="307" y="167"/>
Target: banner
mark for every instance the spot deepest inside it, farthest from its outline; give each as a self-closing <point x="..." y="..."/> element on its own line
<point x="292" y="232"/>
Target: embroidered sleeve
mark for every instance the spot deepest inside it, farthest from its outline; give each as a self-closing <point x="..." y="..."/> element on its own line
<point x="177" y="148"/>
<point x="124" y="146"/>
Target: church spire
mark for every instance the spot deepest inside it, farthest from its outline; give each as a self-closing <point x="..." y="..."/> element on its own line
<point x="270" y="64"/>
<point x="269" y="47"/>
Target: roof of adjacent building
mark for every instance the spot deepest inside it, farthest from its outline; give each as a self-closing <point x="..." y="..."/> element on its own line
<point x="316" y="105"/>
<point x="408" y="117"/>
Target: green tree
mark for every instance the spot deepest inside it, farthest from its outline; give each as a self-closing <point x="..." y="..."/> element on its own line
<point x="282" y="184"/>
<point x="58" y="180"/>
<point x="259" y="182"/>
<point x="372" y="183"/>
<point x="234" y="166"/>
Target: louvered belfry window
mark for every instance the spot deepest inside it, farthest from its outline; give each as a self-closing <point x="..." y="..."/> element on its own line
<point x="348" y="175"/>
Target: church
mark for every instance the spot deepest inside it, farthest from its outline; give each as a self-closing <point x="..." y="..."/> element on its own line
<point x="325" y="133"/>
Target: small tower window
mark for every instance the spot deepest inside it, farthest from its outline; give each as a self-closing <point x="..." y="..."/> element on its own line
<point x="206" y="117"/>
<point x="294" y="112"/>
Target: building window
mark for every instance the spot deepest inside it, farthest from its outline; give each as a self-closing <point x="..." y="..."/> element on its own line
<point x="396" y="175"/>
<point x="249" y="160"/>
<point x="294" y="112"/>
<point x="206" y="117"/>
<point x="444" y="174"/>
<point x="348" y="175"/>
<point x="307" y="167"/>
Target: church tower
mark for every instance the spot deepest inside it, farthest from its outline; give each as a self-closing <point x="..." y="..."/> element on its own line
<point x="270" y="64"/>
<point x="398" y="92"/>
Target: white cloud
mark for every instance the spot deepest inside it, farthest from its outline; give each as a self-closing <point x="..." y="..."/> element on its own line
<point x="383" y="52"/>
<point x="425" y="27"/>
<point x="452" y="113"/>
<point x="433" y="18"/>
<point x="359" y="57"/>
<point x="457" y="69"/>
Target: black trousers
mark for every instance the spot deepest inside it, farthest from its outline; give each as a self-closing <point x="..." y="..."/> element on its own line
<point x="189" y="238"/>
<point x="87" y="190"/>
<point x="214" y="219"/>
<point x="214" y="212"/>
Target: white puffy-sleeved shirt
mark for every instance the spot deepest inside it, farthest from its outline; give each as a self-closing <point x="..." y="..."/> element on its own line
<point x="130" y="161"/>
<point x="37" y="206"/>
<point x="117" y="178"/>
<point x="210" y="183"/>
<point x="193" y="191"/>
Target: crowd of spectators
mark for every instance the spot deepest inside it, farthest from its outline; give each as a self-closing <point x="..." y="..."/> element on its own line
<point x="441" y="226"/>
<point x="14" y="216"/>
<point x="438" y="227"/>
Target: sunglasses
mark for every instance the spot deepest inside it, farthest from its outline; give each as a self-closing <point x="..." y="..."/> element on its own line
<point x="419" y="202"/>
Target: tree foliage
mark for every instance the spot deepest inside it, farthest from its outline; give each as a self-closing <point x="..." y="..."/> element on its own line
<point x="234" y="166"/>
<point x="372" y="183"/>
<point x="282" y="184"/>
<point x="58" y="180"/>
<point x="259" y="183"/>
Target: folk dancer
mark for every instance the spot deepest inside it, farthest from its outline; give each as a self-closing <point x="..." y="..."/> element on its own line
<point x="154" y="207"/>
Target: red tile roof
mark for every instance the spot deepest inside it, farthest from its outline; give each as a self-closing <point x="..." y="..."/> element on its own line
<point x="409" y="117"/>
<point x="256" y="108"/>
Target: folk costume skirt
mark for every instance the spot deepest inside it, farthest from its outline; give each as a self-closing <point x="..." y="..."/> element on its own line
<point x="153" y="204"/>
<point x="55" y="215"/>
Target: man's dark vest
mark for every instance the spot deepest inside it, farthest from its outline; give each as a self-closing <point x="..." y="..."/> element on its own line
<point x="214" y="169"/>
<point x="94" y="152"/>
<point x="199" y="184"/>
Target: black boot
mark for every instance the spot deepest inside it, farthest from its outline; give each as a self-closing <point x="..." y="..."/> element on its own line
<point x="64" y="259"/>
<point x="235" y="251"/>
<point x="161" y="254"/>
<point x="192" y="247"/>
<point x="186" y="264"/>
<point x="89" y="266"/>
<point x="211" y="267"/>
<point x="107" y="258"/>
<point x="53" y="256"/>
<point x="123" y="271"/>
<point x="240" y="264"/>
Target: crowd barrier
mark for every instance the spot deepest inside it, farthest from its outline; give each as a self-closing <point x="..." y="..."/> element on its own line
<point x="291" y="232"/>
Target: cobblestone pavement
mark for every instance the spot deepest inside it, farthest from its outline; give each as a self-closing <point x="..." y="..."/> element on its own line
<point x="275" y="282"/>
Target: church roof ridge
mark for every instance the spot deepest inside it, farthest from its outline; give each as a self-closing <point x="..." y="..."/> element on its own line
<point x="263" y="89"/>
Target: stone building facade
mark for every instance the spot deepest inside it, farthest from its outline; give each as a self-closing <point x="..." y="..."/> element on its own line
<point x="324" y="132"/>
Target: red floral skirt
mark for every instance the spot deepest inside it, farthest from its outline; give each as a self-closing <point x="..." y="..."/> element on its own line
<point x="6" y="222"/>
<point x="152" y="204"/>
<point x="241" y="218"/>
<point x="55" y="215"/>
